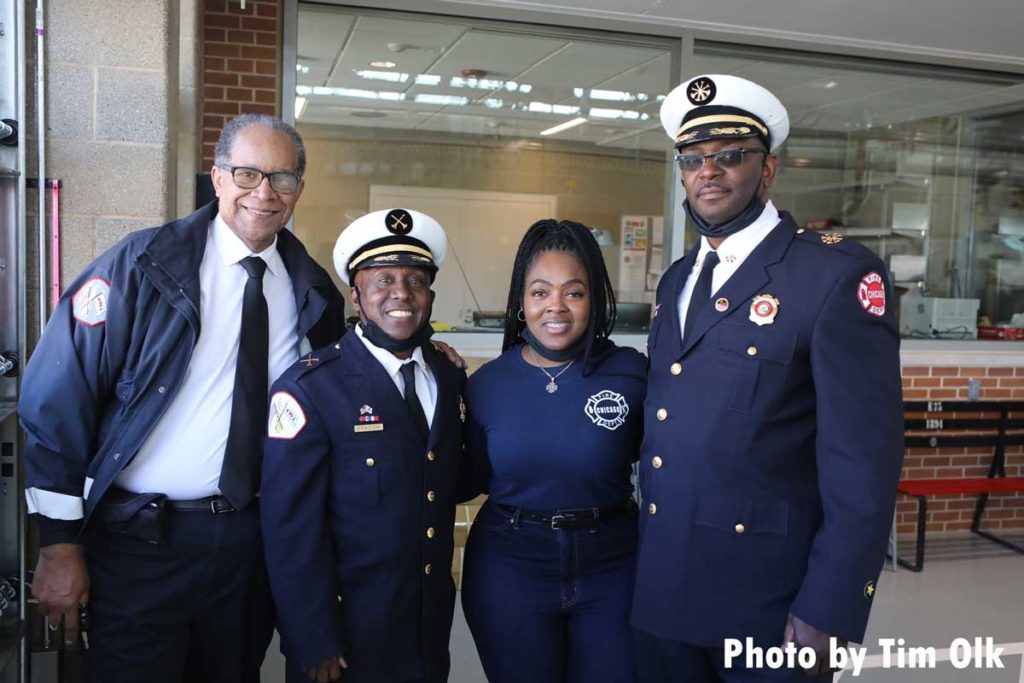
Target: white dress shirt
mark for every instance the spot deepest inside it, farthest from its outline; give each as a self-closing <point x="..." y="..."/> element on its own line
<point x="426" y="383"/>
<point x="732" y="252"/>
<point x="182" y="456"/>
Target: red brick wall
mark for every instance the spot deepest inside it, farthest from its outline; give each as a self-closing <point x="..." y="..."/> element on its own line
<point x="954" y="513"/>
<point x="241" y="64"/>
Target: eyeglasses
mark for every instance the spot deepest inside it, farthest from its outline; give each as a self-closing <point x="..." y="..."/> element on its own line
<point x="727" y="158"/>
<point x="250" y="178"/>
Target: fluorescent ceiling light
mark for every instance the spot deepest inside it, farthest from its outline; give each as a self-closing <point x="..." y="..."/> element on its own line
<point x="300" y="106"/>
<point x="350" y="92"/>
<point x="492" y="103"/>
<point x="382" y="64"/>
<point x="427" y="79"/>
<point x="390" y="76"/>
<point x="613" y="95"/>
<point x="627" y="114"/>
<point x="564" y="126"/>
<point x="428" y="98"/>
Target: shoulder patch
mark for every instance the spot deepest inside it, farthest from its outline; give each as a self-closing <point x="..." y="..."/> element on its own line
<point x="89" y="305"/>
<point x="287" y="419"/>
<point x="871" y="294"/>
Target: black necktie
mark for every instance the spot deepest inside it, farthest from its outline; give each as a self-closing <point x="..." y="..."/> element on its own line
<point x="701" y="292"/>
<point x="412" y="401"/>
<point x="240" y="474"/>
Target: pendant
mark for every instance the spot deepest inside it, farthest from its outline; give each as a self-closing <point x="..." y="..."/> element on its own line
<point x="551" y="387"/>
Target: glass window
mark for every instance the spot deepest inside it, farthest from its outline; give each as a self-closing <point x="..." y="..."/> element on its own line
<point x="923" y="165"/>
<point x="488" y="127"/>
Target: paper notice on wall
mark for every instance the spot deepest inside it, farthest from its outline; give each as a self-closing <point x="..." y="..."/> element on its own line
<point x="657" y="231"/>
<point x="633" y="256"/>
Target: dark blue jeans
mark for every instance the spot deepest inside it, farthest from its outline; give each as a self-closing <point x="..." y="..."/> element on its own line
<point x="550" y="606"/>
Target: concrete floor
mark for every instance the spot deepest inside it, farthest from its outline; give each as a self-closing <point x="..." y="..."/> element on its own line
<point x="969" y="588"/>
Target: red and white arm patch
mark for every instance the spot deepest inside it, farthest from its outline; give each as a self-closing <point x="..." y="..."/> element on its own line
<point x="89" y="304"/>
<point x="871" y="294"/>
<point x="287" y="418"/>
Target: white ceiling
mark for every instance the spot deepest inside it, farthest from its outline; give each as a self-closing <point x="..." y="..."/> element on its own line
<point x="335" y="45"/>
<point x="978" y="29"/>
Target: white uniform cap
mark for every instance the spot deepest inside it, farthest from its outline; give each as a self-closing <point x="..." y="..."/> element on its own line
<point x="390" y="237"/>
<point x="717" y="106"/>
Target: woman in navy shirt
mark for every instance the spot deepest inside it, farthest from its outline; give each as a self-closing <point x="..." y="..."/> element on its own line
<point x="554" y="425"/>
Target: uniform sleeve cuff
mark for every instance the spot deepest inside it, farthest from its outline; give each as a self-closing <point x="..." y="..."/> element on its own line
<point x="53" y="531"/>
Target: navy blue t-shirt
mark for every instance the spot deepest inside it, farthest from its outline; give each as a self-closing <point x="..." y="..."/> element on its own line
<point x="566" y="450"/>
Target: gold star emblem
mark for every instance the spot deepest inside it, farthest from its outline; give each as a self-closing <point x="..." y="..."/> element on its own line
<point x="869" y="589"/>
<point x="832" y="238"/>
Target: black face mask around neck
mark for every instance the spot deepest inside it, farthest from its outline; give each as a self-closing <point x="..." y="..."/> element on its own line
<point x="381" y="339"/>
<point x="750" y="214"/>
<point x="566" y="354"/>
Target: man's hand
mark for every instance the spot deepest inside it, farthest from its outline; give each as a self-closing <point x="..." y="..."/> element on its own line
<point x="61" y="585"/>
<point x="453" y="356"/>
<point x="327" y="670"/>
<point x="803" y="634"/>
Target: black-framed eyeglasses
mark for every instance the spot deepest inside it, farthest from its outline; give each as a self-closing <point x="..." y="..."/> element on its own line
<point x="690" y="162"/>
<point x="250" y="178"/>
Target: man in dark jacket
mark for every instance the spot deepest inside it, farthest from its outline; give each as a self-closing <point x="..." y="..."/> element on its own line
<point x="364" y="446"/>
<point x="144" y="406"/>
<point x="774" y="418"/>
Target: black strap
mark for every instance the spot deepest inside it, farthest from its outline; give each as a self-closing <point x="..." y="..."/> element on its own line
<point x="701" y="292"/>
<point x="412" y="401"/>
<point x="240" y="473"/>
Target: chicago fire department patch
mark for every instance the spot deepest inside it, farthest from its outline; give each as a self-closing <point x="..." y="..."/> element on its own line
<point x="871" y="294"/>
<point x="286" y="417"/>
<point x="89" y="305"/>
<point x="607" y="409"/>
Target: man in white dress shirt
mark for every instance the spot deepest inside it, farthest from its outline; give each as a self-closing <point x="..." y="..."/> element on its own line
<point x="144" y="407"/>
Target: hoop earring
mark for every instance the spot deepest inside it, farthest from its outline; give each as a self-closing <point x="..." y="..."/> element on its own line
<point x="521" y="316"/>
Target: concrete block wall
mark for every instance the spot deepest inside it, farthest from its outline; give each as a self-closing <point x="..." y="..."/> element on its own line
<point x="954" y="513"/>
<point x="111" y="87"/>
<point x="241" y="64"/>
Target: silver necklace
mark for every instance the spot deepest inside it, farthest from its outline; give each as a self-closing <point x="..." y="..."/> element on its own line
<point x="552" y="385"/>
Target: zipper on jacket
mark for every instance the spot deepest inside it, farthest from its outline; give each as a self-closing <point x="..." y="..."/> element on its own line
<point x="195" y="309"/>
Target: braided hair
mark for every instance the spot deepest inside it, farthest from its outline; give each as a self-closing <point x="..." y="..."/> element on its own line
<point x="576" y="239"/>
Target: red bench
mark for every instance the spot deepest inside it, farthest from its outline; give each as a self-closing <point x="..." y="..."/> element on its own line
<point x="942" y="427"/>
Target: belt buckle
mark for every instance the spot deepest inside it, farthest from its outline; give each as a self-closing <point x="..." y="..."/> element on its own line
<point x="213" y="507"/>
<point x="557" y="519"/>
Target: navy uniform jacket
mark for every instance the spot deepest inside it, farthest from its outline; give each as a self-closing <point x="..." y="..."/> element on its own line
<point x="771" y="454"/>
<point x="358" y="515"/>
<point x="99" y="382"/>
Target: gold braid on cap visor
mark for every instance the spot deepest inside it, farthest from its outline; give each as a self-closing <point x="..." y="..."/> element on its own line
<point x="720" y="118"/>
<point x="389" y="249"/>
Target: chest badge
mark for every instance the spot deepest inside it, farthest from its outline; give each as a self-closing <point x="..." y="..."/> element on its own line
<point x="722" y="304"/>
<point x="763" y="309"/>
<point x="607" y="409"/>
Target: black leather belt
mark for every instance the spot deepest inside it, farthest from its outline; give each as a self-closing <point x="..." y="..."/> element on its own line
<point x="585" y="518"/>
<point x="214" y="504"/>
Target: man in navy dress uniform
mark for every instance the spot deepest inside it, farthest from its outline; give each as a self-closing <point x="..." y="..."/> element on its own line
<point x="774" y="423"/>
<point x="363" y="452"/>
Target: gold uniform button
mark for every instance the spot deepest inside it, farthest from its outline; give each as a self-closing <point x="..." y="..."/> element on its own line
<point x="800" y="231"/>
<point x="676" y="368"/>
<point x="656" y="462"/>
<point x="740" y="528"/>
<point x="431" y="496"/>
<point x="370" y="462"/>
<point x="751" y="350"/>
<point x="430" y="532"/>
<point x="427" y="569"/>
<point x="652" y="508"/>
<point x="661" y="414"/>
<point x="430" y="456"/>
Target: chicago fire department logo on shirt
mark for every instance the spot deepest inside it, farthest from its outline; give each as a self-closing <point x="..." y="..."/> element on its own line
<point x="286" y="417"/>
<point x="607" y="409"/>
<point x="871" y="294"/>
<point x="89" y="305"/>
